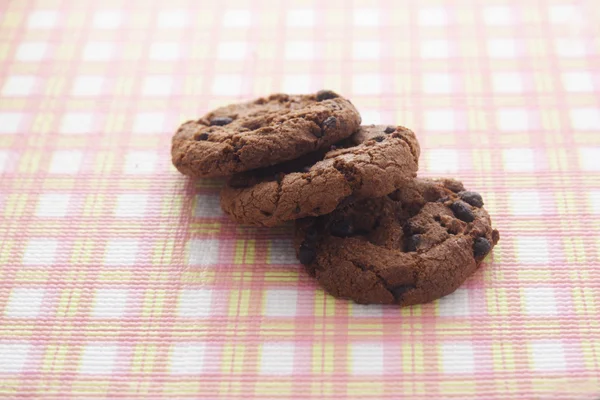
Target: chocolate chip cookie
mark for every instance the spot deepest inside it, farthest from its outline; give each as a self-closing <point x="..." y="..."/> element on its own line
<point x="263" y="132"/>
<point x="373" y="162"/>
<point x="413" y="246"/>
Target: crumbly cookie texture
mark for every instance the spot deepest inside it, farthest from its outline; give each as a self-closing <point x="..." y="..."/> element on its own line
<point x="262" y="132"/>
<point x="413" y="246"/>
<point x="373" y="162"/>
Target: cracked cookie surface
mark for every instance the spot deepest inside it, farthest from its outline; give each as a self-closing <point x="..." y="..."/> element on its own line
<point x="373" y="162"/>
<point x="413" y="246"/>
<point x="262" y="132"/>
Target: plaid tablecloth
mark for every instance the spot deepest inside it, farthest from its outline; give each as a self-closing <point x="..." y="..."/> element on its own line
<point x="120" y="278"/>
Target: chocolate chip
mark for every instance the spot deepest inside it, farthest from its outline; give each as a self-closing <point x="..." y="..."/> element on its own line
<point x="329" y="123"/>
<point x="473" y="198"/>
<point x="297" y="209"/>
<point x="390" y="129"/>
<point x="326" y="95"/>
<point x="379" y="139"/>
<point x="342" y="228"/>
<point x="462" y="211"/>
<point x="220" y="121"/>
<point x="202" y="136"/>
<point x="398" y="291"/>
<point x="413" y="242"/>
<point x="307" y="254"/>
<point x="481" y="247"/>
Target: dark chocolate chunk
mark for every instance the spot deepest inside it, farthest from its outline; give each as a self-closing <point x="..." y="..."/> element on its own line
<point x="326" y="95"/>
<point x="342" y="228"/>
<point x="398" y="291"/>
<point x="413" y="242"/>
<point x="307" y="254"/>
<point x="462" y="211"/>
<point x="379" y="139"/>
<point x="220" y="121"/>
<point x="481" y="246"/>
<point x="390" y="129"/>
<point x="329" y="123"/>
<point x="202" y="136"/>
<point x="473" y="198"/>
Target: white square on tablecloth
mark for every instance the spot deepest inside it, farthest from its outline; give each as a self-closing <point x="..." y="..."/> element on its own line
<point x="367" y="310"/>
<point x="594" y="198"/>
<point x="203" y="252"/>
<point x="277" y="358"/>
<point x="131" y="205"/>
<point x="458" y="357"/>
<point x="158" y="85"/>
<point x="19" y="85"/>
<point x="88" y="85"/>
<point x="455" y="304"/>
<point x="435" y="49"/>
<point x="440" y="120"/>
<point x="367" y="358"/>
<point x="299" y="50"/>
<point x="442" y="160"/>
<point x="296" y="84"/>
<point x="366" y="49"/>
<point x="121" y="252"/>
<point x="366" y="17"/>
<point x="40" y="252"/>
<point x="172" y="19"/>
<point x="13" y="356"/>
<point x="208" y="205"/>
<point x="525" y="202"/>
<point x="98" y="51"/>
<point x="227" y="85"/>
<point x="237" y="18"/>
<point x="232" y="50"/>
<point x="4" y="157"/>
<point x="570" y="47"/>
<point x="433" y="16"/>
<point x="502" y="48"/>
<point x="497" y="15"/>
<point x="301" y="17"/>
<point x="110" y="303"/>
<point x="366" y="84"/>
<point x="165" y="51"/>
<point x="31" y="51"/>
<point x="281" y="251"/>
<point x="437" y="83"/>
<point x="140" y="162"/>
<point x="512" y="119"/>
<point x="370" y="117"/>
<point x="194" y="303"/>
<point x="149" y="122"/>
<point x="578" y="82"/>
<point x="518" y="160"/>
<point x="564" y="14"/>
<point x="585" y="118"/>
<point x="10" y="122"/>
<point x="539" y="301"/>
<point x="108" y="19"/>
<point x="53" y="205"/>
<point x="507" y="82"/>
<point x="548" y="355"/>
<point x="589" y="158"/>
<point x="24" y="303"/>
<point x="74" y="123"/>
<point x="532" y="250"/>
<point x="42" y="19"/>
<point x="187" y="358"/>
<point x="98" y="358"/>
<point x="66" y="162"/>
<point x="281" y="302"/>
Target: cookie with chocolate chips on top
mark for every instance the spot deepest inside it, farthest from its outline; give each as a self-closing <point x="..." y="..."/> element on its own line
<point x="371" y="163"/>
<point x="262" y="132"/>
<point x="413" y="246"/>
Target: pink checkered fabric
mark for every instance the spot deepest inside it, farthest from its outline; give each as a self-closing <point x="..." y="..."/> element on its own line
<point x="120" y="278"/>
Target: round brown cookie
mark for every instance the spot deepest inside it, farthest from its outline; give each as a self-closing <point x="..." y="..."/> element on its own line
<point x="413" y="246"/>
<point x="263" y="132"/>
<point x="371" y="163"/>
